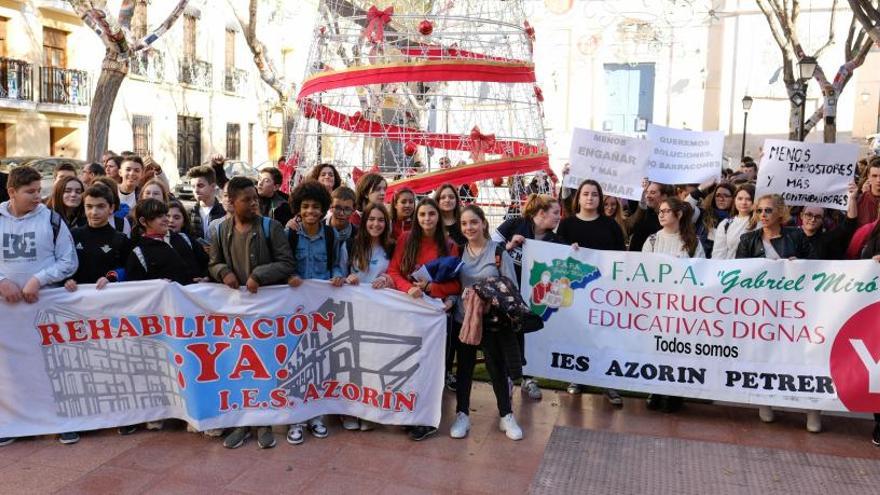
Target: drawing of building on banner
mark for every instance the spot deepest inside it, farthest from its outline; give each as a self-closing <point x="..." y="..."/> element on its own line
<point x="102" y="376"/>
<point x="368" y="358"/>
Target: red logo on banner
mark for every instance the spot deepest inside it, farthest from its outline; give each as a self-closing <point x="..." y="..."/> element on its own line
<point x="855" y="361"/>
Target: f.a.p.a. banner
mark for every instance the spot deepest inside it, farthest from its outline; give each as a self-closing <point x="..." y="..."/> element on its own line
<point x="217" y="357"/>
<point x="793" y="333"/>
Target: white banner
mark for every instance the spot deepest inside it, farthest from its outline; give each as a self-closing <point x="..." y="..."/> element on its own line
<point x="784" y="333"/>
<point x="684" y="157"/>
<point x="807" y="174"/>
<point x="216" y="357"/>
<point x="618" y="163"/>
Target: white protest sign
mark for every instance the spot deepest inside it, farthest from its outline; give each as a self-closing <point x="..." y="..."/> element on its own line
<point x="684" y="157"/>
<point x="618" y="163"/>
<point x="807" y="174"/>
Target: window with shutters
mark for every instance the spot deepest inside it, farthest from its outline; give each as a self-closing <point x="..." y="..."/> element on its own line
<point x="233" y="141"/>
<point x="189" y="37"/>
<point x="141" y="127"/>
<point x="54" y="48"/>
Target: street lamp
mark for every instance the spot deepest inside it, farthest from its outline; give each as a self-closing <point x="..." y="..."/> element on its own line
<point x="806" y="67"/>
<point x="747" y="105"/>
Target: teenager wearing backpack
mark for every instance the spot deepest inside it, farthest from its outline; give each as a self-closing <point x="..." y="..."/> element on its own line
<point x="318" y="256"/>
<point x="252" y="251"/>
<point x="36" y="248"/>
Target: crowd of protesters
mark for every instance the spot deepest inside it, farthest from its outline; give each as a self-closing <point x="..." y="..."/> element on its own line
<point x="116" y="221"/>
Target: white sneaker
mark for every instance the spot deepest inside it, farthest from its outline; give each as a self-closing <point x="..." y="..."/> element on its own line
<point x="765" y="413"/>
<point x="508" y="425"/>
<point x="814" y="421"/>
<point x="350" y="423"/>
<point x="317" y="427"/>
<point x="461" y="426"/>
<point x="295" y="434"/>
<point x="154" y="425"/>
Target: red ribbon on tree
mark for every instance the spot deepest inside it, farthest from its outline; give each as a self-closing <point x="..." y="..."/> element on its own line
<point x="480" y="144"/>
<point x="376" y="20"/>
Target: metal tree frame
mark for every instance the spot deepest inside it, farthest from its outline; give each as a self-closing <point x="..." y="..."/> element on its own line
<point x="349" y="41"/>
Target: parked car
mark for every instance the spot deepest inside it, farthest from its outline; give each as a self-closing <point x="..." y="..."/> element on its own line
<point x="233" y="168"/>
<point x="44" y="165"/>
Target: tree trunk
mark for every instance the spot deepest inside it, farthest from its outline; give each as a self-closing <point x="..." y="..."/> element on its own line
<point x="113" y="72"/>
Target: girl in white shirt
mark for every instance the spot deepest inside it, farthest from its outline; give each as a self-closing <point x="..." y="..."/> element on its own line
<point x="729" y="231"/>
<point x="678" y="236"/>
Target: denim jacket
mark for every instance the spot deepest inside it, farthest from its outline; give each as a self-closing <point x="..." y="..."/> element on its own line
<point x="311" y="257"/>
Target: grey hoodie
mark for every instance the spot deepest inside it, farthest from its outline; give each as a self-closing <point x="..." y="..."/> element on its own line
<point x="27" y="248"/>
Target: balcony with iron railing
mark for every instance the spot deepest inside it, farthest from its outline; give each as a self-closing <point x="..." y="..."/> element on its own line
<point x="64" y="86"/>
<point x="196" y="73"/>
<point x="16" y="80"/>
<point x="149" y="65"/>
<point x="235" y="81"/>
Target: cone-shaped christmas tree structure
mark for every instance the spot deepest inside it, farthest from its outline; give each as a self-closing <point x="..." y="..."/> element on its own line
<point x="406" y="87"/>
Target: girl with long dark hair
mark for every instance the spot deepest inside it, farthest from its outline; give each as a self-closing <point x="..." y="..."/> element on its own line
<point x="67" y="201"/>
<point x="424" y="243"/>
<point x="448" y="200"/>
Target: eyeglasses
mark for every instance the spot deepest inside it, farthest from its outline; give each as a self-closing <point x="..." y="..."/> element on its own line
<point x="343" y="210"/>
<point x="812" y="216"/>
<point x="768" y="211"/>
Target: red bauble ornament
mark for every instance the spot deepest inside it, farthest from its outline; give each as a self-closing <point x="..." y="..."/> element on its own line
<point x="410" y="148"/>
<point x="426" y="27"/>
<point x="497" y="181"/>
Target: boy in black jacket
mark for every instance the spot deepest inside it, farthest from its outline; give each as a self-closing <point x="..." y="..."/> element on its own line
<point x="161" y="254"/>
<point x="102" y="251"/>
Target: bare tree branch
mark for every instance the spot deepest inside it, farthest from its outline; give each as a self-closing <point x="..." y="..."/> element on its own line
<point x="126" y="13"/>
<point x="162" y="28"/>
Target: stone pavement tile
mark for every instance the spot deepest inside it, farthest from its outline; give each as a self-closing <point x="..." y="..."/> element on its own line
<point x="25" y="477"/>
<point x="215" y="467"/>
<point x="463" y="476"/>
<point x="376" y="460"/>
<point x="159" y="454"/>
<point x="176" y="486"/>
<point x="274" y="477"/>
<point x="89" y="453"/>
<point x="110" y="480"/>
<point x="341" y="481"/>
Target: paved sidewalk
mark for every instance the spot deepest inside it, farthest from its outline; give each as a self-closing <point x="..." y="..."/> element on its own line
<point x="386" y="461"/>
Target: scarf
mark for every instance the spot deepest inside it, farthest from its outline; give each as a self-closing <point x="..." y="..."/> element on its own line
<point x="472" y="326"/>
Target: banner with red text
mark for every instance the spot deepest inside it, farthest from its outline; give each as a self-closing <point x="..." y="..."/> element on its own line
<point x="802" y="334"/>
<point x="217" y="357"/>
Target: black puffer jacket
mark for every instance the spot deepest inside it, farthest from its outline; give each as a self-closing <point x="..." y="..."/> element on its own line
<point x="792" y="243"/>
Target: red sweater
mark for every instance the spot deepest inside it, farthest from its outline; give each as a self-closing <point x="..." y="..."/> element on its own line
<point x="427" y="252"/>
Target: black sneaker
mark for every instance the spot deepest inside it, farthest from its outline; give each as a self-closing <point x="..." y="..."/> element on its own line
<point x="655" y="402"/>
<point x="875" y="439"/>
<point x="127" y="430"/>
<point x="237" y="438"/>
<point x="419" y="433"/>
<point x="69" y="438"/>
<point x="673" y="404"/>
<point x="451" y="382"/>
<point x="265" y="438"/>
<point x="6" y="441"/>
